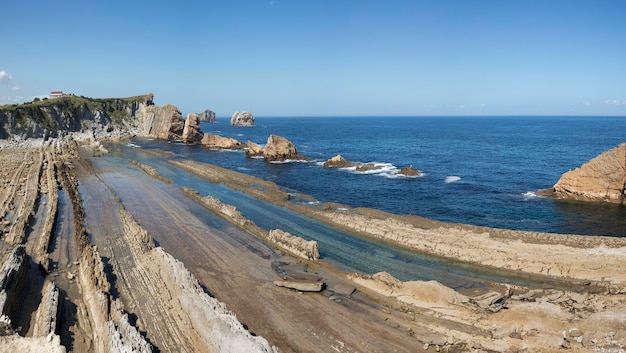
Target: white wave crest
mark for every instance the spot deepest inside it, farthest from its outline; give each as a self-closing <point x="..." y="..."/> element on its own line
<point x="132" y="145"/>
<point x="452" y="179"/>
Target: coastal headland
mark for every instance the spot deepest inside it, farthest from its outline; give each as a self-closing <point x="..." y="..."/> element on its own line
<point x="102" y="256"/>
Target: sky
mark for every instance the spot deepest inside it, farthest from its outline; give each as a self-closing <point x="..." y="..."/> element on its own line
<point x="323" y="57"/>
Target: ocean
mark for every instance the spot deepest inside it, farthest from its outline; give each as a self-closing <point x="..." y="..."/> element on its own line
<point x="477" y="170"/>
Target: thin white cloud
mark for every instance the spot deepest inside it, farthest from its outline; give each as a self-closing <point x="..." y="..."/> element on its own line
<point x="614" y="102"/>
<point x="586" y="103"/>
<point x="15" y="88"/>
<point x="5" y="77"/>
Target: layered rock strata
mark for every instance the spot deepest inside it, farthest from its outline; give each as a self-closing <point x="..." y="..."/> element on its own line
<point x="601" y="179"/>
<point x="242" y="119"/>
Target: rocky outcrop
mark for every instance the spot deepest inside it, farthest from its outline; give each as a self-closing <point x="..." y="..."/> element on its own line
<point x="220" y="142"/>
<point x="165" y="123"/>
<point x="242" y="119"/>
<point x="191" y="132"/>
<point x="253" y="150"/>
<point x="279" y="149"/>
<point x="409" y="171"/>
<point x="601" y="179"/>
<point x="308" y="250"/>
<point x="338" y="162"/>
<point x="207" y="116"/>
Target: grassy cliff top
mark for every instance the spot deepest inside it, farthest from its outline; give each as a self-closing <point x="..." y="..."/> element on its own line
<point x="74" y="101"/>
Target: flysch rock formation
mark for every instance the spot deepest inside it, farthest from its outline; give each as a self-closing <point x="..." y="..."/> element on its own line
<point x="408" y="171"/>
<point x="207" y="116"/>
<point x="99" y="320"/>
<point x="164" y="122"/>
<point x="338" y="161"/>
<point x="285" y="241"/>
<point x="601" y="179"/>
<point x="242" y="119"/>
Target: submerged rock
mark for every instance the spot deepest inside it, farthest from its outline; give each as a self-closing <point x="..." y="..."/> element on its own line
<point x="242" y="119"/>
<point x="601" y="179"/>
<point x="409" y="171"/>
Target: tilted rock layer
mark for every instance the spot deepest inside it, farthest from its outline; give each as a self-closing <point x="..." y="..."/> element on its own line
<point x="601" y="179"/>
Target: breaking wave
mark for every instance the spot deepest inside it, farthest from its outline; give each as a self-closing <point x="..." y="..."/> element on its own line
<point x="451" y="179"/>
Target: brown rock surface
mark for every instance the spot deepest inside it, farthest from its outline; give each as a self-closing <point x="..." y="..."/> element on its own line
<point x="601" y="179"/>
<point x="164" y="122"/>
<point x="220" y="142"/>
<point x="279" y="149"/>
<point x="253" y="150"/>
<point x="305" y="249"/>
<point x="408" y="171"/>
<point x="338" y="162"/>
<point x="191" y="131"/>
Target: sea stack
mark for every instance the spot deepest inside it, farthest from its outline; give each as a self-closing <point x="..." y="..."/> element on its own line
<point x="191" y="131"/>
<point x="601" y="179"/>
<point x="279" y="149"/>
<point x="242" y="119"/>
<point x="207" y="116"/>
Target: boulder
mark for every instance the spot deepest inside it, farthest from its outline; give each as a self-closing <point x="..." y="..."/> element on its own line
<point x="191" y="131"/>
<point x="220" y="142"/>
<point x="253" y="150"/>
<point x="408" y="171"/>
<point x="242" y="119"/>
<point x="338" y="162"/>
<point x="601" y="179"/>
<point x="279" y="149"/>
<point x="207" y="116"/>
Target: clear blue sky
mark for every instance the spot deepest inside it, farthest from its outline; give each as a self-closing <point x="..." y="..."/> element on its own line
<point x="323" y="57"/>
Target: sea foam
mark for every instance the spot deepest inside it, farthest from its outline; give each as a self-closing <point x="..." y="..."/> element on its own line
<point x="452" y="179"/>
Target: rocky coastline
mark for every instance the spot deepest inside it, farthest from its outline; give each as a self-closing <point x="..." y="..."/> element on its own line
<point x="68" y="282"/>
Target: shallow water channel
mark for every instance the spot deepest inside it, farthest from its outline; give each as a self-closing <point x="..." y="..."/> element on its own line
<point x="347" y="251"/>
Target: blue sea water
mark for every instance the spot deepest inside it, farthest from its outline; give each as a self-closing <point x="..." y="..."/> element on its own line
<point x="477" y="170"/>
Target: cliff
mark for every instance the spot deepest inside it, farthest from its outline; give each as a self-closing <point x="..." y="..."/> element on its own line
<point x="601" y="179"/>
<point x="98" y="117"/>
